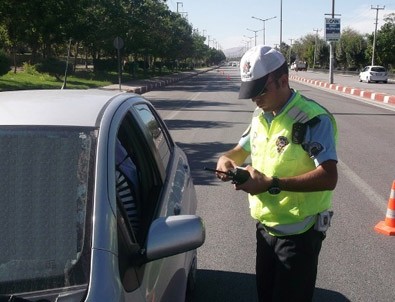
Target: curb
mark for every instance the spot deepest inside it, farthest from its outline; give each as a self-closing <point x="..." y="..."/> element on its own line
<point x="366" y="94"/>
<point x="143" y="86"/>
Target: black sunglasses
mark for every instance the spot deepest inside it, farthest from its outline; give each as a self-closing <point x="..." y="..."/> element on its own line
<point x="265" y="88"/>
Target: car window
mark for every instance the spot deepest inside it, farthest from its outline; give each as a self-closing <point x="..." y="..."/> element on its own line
<point x="138" y="188"/>
<point x="158" y="135"/>
<point x="378" y="69"/>
<point x="45" y="196"/>
<point x="128" y="184"/>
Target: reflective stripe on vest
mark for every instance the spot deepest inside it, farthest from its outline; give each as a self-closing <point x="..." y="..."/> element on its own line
<point x="293" y="228"/>
<point x="298" y="115"/>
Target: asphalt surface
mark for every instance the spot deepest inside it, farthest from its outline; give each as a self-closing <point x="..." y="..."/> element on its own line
<point x="343" y="84"/>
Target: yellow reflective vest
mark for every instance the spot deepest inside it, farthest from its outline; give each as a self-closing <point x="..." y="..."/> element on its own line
<point x="274" y="154"/>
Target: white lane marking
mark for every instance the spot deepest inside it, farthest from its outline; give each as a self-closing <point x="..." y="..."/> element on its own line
<point x="375" y="198"/>
<point x="174" y="113"/>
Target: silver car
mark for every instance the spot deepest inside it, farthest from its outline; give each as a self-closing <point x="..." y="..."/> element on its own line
<point x="97" y="201"/>
<point x="373" y="74"/>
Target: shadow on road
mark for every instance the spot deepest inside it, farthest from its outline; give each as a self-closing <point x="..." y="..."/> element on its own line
<point x="220" y="286"/>
<point x="204" y="155"/>
<point x="325" y="295"/>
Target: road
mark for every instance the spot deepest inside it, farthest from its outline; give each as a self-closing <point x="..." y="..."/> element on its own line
<point x="356" y="263"/>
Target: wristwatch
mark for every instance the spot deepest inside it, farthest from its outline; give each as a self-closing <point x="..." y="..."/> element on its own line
<point x="275" y="186"/>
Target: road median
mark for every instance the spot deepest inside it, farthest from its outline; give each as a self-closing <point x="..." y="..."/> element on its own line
<point x="146" y="85"/>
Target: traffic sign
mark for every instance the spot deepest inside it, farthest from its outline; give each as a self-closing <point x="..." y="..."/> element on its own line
<point x="332" y="29"/>
<point x="118" y="43"/>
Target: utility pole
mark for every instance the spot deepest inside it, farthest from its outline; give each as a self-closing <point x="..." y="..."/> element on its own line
<point x="315" y="46"/>
<point x="177" y="5"/>
<point x="377" y="8"/>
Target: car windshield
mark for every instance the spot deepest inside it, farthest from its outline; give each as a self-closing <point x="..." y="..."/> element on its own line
<point x="45" y="198"/>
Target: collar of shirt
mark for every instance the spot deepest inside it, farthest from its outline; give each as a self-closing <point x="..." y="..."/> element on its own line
<point x="269" y="116"/>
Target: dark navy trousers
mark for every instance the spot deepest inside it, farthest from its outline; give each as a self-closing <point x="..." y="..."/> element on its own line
<point x="286" y="266"/>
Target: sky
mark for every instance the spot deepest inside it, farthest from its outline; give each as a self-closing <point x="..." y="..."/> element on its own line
<point x="229" y="23"/>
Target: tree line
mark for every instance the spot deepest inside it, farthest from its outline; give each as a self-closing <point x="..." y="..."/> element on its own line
<point x="152" y="35"/>
<point x="352" y="52"/>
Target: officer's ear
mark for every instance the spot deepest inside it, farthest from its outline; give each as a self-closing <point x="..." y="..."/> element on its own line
<point x="283" y="81"/>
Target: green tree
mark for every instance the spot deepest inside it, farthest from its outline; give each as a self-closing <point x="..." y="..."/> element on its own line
<point x="350" y="50"/>
<point x="385" y="46"/>
<point x="303" y="49"/>
<point x="200" y="49"/>
<point x="151" y="32"/>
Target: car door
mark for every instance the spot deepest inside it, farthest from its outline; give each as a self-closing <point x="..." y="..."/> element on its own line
<point x="165" y="188"/>
<point x="166" y="279"/>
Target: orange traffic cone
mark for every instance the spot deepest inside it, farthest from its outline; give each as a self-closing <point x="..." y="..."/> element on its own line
<point x="387" y="227"/>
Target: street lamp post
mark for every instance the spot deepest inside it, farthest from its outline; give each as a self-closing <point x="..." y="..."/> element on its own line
<point x="264" y="30"/>
<point x="281" y="22"/>
<point x="248" y="42"/>
<point x="331" y="55"/>
<point x="255" y="31"/>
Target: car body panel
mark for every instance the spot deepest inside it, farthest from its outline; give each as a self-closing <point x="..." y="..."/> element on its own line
<point x="159" y="269"/>
<point x="53" y="107"/>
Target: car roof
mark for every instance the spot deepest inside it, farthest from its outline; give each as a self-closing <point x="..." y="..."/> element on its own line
<point x="375" y="66"/>
<point x="54" y="107"/>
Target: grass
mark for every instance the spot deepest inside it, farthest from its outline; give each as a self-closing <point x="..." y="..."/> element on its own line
<point x="79" y="80"/>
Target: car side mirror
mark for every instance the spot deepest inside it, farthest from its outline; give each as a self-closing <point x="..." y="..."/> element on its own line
<point x="168" y="236"/>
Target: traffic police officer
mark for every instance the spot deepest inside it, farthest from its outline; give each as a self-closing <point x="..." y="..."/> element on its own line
<point x="292" y="144"/>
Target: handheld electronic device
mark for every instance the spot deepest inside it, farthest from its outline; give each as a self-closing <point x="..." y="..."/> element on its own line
<point x="237" y="175"/>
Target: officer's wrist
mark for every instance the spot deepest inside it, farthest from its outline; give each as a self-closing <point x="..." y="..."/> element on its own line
<point x="275" y="186"/>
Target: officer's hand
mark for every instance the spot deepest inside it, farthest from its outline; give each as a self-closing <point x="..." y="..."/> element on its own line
<point x="224" y="164"/>
<point x="257" y="183"/>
